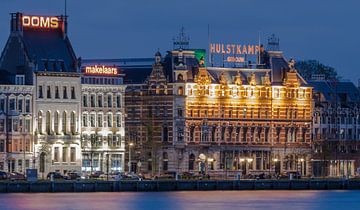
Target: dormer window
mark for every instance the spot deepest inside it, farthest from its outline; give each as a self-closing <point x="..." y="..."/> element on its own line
<point x="20" y="79"/>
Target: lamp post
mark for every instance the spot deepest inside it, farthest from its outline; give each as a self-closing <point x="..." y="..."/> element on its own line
<point x="249" y="161"/>
<point x="129" y="164"/>
<point x="243" y="171"/>
<point x="275" y="160"/>
<point x="301" y="165"/>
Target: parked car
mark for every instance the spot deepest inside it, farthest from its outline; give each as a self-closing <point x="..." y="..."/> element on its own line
<point x="3" y="175"/>
<point x="96" y="174"/>
<point x="14" y="176"/>
<point x="72" y="175"/>
<point x="55" y="175"/>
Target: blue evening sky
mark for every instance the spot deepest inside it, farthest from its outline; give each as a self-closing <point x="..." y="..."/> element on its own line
<point x="326" y="30"/>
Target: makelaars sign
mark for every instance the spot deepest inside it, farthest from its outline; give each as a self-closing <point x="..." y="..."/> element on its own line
<point x="234" y="52"/>
<point x="101" y="70"/>
<point x="40" y="22"/>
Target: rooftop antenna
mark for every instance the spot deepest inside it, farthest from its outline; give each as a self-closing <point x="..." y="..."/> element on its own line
<point x="259" y="44"/>
<point x="209" y="40"/>
<point x="65" y="8"/>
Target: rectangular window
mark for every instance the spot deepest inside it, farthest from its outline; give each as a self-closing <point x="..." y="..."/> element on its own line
<point x="2" y="145"/>
<point x="20" y="105"/>
<point x="27" y="105"/>
<point x="109" y="101"/>
<point x="100" y="120"/>
<point x="64" y="155"/>
<point x="65" y="93"/>
<point x="15" y="125"/>
<point x="27" y="145"/>
<point x="48" y="92"/>
<point x="118" y="101"/>
<point x="109" y="120"/>
<point x="2" y="105"/>
<point x="12" y="104"/>
<point x="20" y="79"/>
<point x="100" y="104"/>
<point x="56" y="154"/>
<point x="57" y="95"/>
<point x="40" y="93"/>
<point x="72" y="154"/>
<point x="73" y="93"/>
<point x="92" y="120"/>
<point x="85" y="100"/>
<point x="118" y="120"/>
<point x="92" y="100"/>
<point x="2" y="125"/>
<point x="85" y="120"/>
<point x="27" y="125"/>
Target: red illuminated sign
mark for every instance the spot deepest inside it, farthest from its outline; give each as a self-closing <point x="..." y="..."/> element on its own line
<point x="40" y="22"/>
<point x="101" y="70"/>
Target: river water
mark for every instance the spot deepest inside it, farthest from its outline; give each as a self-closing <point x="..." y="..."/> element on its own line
<point x="208" y="200"/>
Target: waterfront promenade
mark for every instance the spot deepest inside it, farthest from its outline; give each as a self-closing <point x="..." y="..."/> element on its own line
<point x="180" y="185"/>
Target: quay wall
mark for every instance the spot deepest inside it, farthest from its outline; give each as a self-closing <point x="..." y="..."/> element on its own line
<point x="172" y="185"/>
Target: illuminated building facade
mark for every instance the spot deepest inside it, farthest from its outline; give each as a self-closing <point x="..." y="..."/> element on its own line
<point x="39" y="53"/>
<point x="223" y="121"/>
<point x="336" y="131"/>
<point x="16" y="126"/>
<point x="102" y="115"/>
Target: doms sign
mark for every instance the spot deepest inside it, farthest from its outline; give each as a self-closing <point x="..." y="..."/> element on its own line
<point x="234" y="52"/>
<point x="40" y="22"/>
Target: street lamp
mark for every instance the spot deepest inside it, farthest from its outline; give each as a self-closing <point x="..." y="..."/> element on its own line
<point x="301" y="165"/>
<point x="129" y="164"/>
<point x="275" y="160"/>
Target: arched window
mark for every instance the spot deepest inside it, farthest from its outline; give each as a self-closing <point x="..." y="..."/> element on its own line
<point x="180" y="77"/>
<point x="56" y="122"/>
<point x="181" y="91"/>
<point x="165" y="161"/>
<point x="40" y="122"/>
<point x="48" y="122"/>
<point x="64" y="122"/>
<point x="191" y="162"/>
<point x="73" y="122"/>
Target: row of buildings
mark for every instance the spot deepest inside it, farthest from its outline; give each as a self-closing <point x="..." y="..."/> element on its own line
<point x="168" y="114"/>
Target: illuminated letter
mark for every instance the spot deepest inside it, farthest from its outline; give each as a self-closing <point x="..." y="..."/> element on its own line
<point x="228" y="50"/>
<point x="212" y="48"/>
<point x="251" y="49"/>
<point x="238" y="49"/>
<point x="35" y="22"/>
<point x="233" y="48"/>
<point x="257" y="49"/>
<point x="244" y="49"/>
<point x="217" y="46"/>
<point x="44" y="22"/>
<point x="222" y="49"/>
<point x="26" y="21"/>
<point x="54" y="22"/>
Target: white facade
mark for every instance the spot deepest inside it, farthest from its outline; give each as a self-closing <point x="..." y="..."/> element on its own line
<point x="57" y="122"/>
<point x="103" y="131"/>
<point x="16" y="127"/>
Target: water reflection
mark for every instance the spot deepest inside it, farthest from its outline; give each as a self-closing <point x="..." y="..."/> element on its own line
<point x="208" y="200"/>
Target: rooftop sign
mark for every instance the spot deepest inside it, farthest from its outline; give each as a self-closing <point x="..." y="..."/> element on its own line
<point x="40" y="22"/>
<point x="101" y="70"/>
<point x="234" y="52"/>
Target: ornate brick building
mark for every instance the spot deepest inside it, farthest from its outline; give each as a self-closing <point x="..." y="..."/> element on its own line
<point x="221" y="120"/>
